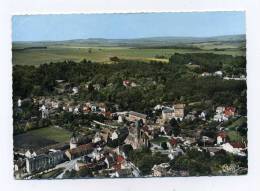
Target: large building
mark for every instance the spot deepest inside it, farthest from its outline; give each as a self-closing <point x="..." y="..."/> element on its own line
<point x="44" y="161"/>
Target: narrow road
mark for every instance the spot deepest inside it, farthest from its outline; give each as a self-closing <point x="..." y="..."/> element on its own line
<point x="68" y="165"/>
<point x="103" y="124"/>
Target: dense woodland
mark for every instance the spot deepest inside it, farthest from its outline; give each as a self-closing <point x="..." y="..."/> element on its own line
<point x="156" y="82"/>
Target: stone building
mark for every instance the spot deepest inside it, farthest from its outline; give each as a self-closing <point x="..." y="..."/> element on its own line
<point x="137" y="137"/>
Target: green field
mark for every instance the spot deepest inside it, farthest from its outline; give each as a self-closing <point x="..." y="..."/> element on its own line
<point x="55" y="52"/>
<point x="39" y="138"/>
<point x="52" y="133"/>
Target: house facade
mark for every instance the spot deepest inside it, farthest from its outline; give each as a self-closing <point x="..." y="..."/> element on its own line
<point x="179" y="111"/>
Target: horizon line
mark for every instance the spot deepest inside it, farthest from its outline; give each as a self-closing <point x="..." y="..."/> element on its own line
<point x="96" y="38"/>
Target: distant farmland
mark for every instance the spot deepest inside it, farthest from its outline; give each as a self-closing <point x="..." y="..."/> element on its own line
<point x="36" y="54"/>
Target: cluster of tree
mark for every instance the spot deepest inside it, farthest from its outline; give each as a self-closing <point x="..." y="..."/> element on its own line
<point x="144" y="159"/>
<point x="73" y="122"/>
<point x="210" y="62"/>
<point x="28" y="117"/>
<point x="120" y="140"/>
<point x="199" y="163"/>
<point x="160" y="56"/>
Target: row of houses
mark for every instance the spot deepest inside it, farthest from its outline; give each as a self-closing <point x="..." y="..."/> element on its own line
<point x="207" y="74"/>
<point x="220" y="74"/>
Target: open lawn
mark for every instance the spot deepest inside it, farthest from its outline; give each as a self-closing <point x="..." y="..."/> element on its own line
<point x="53" y="133"/>
<point x="39" y="138"/>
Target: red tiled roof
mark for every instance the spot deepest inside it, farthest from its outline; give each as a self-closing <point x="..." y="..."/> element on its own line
<point x="81" y="148"/>
<point x="233" y="109"/>
<point x="126" y="82"/>
<point x="117" y="166"/>
<point x="120" y="159"/>
<point x="229" y="111"/>
<point x="173" y="141"/>
<point x="238" y="145"/>
<point x="222" y="134"/>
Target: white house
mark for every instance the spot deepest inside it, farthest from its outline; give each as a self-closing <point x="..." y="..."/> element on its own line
<point x="114" y="135"/>
<point x="54" y="105"/>
<point x="96" y="138"/>
<point x="219" y="140"/>
<point x="75" y="90"/>
<point x="220" y="117"/>
<point x="19" y="102"/>
<point x="96" y="155"/>
<point x="220" y="109"/>
<point x="168" y="114"/>
<point x="120" y="119"/>
<point x="29" y="154"/>
<point x="206" y="74"/>
<point x="44" y="111"/>
<point x="220" y="114"/>
<point x="76" y="110"/>
<point x="162" y="130"/>
<point x="74" y="142"/>
<point x="218" y="73"/>
<point x="93" y="108"/>
<point x="70" y="109"/>
<point x="202" y="116"/>
<point x="133" y="84"/>
<point x="158" y="107"/>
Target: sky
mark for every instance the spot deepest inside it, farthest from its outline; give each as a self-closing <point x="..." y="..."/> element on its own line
<point x="124" y="26"/>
